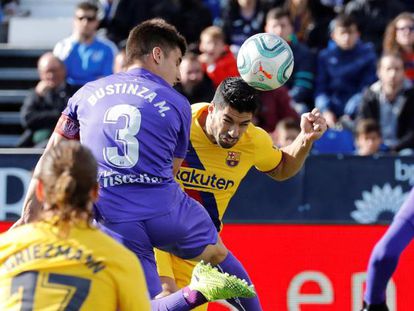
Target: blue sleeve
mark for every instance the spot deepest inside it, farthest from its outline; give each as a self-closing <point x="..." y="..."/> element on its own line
<point x="384" y="258"/>
<point x="322" y="99"/>
<point x="184" y="134"/>
<point x="303" y="77"/>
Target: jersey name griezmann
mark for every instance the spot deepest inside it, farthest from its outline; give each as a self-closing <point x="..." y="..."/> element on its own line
<point x="52" y="250"/>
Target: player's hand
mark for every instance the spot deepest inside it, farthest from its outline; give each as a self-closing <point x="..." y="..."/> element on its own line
<point x="375" y="307"/>
<point x="313" y="124"/>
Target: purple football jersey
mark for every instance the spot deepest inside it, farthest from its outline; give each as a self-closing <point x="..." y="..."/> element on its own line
<point x="135" y="123"/>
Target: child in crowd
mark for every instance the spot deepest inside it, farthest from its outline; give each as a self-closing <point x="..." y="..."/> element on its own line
<point x="368" y="137"/>
<point x="218" y="61"/>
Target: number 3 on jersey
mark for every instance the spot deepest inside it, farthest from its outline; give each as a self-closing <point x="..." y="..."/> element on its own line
<point x="125" y="136"/>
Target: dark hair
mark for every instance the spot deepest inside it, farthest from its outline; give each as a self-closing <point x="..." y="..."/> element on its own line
<point x="68" y="174"/>
<point x="367" y="126"/>
<point x="343" y="20"/>
<point x="151" y="33"/>
<point x="87" y="6"/>
<point x="237" y="94"/>
<point x="394" y="54"/>
<point x="278" y="13"/>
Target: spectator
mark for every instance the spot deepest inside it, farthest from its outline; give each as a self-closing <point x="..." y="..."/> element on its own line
<point x="217" y="60"/>
<point x="285" y="132"/>
<point x="86" y="56"/>
<point x="274" y="106"/>
<point x="399" y="37"/>
<point x="368" y="137"/>
<point x="190" y="17"/>
<point x="301" y="83"/>
<point x="43" y="105"/>
<point x="120" y="16"/>
<point x="372" y="16"/>
<point x="310" y="21"/>
<point x="195" y="85"/>
<point x="344" y="69"/>
<point x="390" y="102"/>
<point x="241" y="20"/>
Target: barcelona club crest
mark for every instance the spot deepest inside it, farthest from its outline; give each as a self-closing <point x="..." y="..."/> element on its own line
<point x="233" y="158"/>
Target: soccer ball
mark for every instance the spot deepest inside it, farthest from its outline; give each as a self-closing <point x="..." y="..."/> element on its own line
<point x="265" y="61"/>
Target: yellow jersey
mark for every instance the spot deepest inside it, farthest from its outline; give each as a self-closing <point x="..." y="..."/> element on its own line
<point x="84" y="270"/>
<point x="211" y="175"/>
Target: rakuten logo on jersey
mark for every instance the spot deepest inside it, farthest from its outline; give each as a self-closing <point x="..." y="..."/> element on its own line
<point x="200" y="179"/>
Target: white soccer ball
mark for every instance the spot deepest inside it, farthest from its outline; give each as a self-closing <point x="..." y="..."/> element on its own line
<point x="265" y="61"/>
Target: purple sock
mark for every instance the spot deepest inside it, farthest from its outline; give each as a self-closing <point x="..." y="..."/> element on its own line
<point x="183" y="300"/>
<point x="194" y="298"/>
<point x="231" y="265"/>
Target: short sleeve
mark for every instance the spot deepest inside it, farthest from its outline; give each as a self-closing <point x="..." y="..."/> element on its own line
<point x="267" y="156"/>
<point x="68" y="124"/>
<point x="184" y="134"/>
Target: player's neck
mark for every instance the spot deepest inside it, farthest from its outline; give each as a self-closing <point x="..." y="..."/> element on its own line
<point x="205" y="123"/>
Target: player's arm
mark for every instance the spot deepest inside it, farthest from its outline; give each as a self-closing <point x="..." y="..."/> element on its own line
<point x="313" y="125"/>
<point x="31" y="205"/>
<point x="176" y="165"/>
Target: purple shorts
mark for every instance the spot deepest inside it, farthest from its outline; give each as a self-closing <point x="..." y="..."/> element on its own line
<point x="185" y="232"/>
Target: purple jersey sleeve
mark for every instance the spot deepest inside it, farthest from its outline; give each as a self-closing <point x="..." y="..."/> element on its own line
<point x="68" y="125"/>
<point x="385" y="256"/>
<point x="184" y="134"/>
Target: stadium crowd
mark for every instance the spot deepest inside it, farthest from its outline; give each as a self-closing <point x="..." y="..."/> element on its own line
<point x="349" y="68"/>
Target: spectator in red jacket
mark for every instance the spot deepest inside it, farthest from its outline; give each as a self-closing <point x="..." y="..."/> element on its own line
<point x="218" y="61"/>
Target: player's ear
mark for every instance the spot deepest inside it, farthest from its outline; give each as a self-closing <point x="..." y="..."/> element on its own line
<point x="40" y="195"/>
<point x="157" y="54"/>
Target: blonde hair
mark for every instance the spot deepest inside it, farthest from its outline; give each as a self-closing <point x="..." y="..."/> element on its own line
<point x="214" y="32"/>
<point x="68" y="174"/>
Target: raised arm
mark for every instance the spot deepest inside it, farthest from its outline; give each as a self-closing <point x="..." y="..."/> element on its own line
<point x="313" y="125"/>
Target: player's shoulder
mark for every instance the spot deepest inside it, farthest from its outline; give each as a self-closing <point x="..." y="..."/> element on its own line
<point x="256" y="133"/>
<point x="198" y="108"/>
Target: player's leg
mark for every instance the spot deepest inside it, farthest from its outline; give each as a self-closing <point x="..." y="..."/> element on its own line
<point x="199" y="240"/>
<point x="208" y="284"/>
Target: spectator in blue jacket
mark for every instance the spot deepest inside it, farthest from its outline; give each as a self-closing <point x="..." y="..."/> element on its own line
<point x="301" y="83"/>
<point x="86" y="56"/>
<point x="345" y="68"/>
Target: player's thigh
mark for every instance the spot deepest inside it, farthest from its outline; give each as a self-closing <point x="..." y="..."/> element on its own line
<point x="185" y="231"/>
<point x="133" y="235"/>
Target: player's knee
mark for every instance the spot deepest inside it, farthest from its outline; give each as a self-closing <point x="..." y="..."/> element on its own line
<point x="218" y="254"/>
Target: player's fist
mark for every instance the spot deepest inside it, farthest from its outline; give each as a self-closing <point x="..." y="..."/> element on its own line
<point x="313" y="124"/>
<point x="375" y="307"/>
